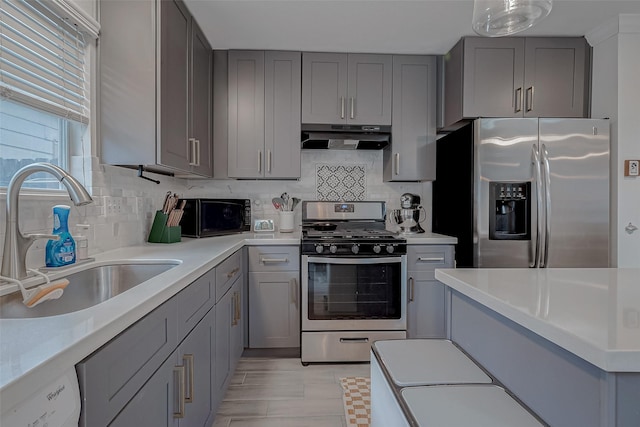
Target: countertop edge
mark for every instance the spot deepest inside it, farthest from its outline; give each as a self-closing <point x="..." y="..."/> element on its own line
<point x="605" y="359"/>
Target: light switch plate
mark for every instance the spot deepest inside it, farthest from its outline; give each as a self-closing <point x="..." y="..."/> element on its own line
<point x="631" y="167"/>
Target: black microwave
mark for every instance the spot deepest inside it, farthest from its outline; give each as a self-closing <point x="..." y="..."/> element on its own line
<point x="215" y="217"/>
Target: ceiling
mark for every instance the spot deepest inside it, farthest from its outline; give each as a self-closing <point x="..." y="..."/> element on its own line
<point x="380" y="26"/>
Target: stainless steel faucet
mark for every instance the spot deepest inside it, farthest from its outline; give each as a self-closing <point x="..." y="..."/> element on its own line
<point x="17" y="244"/>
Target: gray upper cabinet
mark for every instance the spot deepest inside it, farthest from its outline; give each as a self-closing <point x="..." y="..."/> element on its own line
<point x="517" y="77"/>
<point x="346" y="88"/>
<point x="411" y="155"/>
<point x="263" y="114"/>
<point x="155" y="88"/>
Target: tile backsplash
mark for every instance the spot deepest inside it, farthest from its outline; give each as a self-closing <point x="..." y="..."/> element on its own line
<point x="124" y="204"/>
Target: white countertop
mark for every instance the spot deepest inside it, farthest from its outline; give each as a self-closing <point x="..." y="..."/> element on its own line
<point x="429" y="238"/>
<point x="36" y="351"/>
<point x="593" y="313"/>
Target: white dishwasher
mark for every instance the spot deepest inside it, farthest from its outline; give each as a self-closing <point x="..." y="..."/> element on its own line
<point x="55" y="405"/>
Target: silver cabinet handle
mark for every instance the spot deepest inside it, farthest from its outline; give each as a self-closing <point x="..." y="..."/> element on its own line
<point x="260" y="161"/>
<point x="266" y="260"/>
<point x="294" y="292"/>
<point x="529" y="97"/>
<point x="518" y="100"/>
<point x="269" y="161"/>
<point x="232" y="272"/>
<point x="354" y="340"/>
<point x="238" y="307"/>
<point x="342" y="107"/>
<point x="537" y="176"/>
<point x="352" y="115"/>
<point x="179" y="371"/>
<point x="397" y="163"/>
<point x="234" y="306"/>
<point x="426" y="259"/>
<point x="197" y="145"/>
<point x="191" y="151"/>
<point x="411" y="290"/>
<point x="544" y="157"/>
<point x="188" y="364"/>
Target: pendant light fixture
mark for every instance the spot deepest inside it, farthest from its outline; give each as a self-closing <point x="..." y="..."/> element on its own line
<point x="496" y="18"/>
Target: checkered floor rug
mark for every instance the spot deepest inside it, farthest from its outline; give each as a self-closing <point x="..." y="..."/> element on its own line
<point x="357" y="401"/>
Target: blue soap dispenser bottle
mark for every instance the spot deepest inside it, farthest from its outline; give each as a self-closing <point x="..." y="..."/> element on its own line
<point x="63" y="251"/>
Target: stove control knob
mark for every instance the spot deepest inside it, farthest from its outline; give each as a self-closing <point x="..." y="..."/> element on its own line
<point x="355" y="249"/>
<point x="377" y="249"/>
<point x="333" y="249"/>
<point x="319" y="249"/>
<point x="390" y="249"/>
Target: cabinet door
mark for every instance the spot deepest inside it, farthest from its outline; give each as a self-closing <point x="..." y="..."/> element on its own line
<point x="236" y="335"/>
<point x="282" y="114"/>
<point x="369" y="89"/>
<point x="426" y="307"/>
<point x="194" y="354"/>
<point x="493" y="77"/>
<point x="275" y="309"/>
<point x="412" y="155"/>
<point x="556" y="78"/>
<point x="201" y="93"/>
<point x="155" y="404"/>
<point x="223" y="316"/>
<point x="324" y="88"/>
<point x="246" y="157"/>
<point x="174" y="76"/>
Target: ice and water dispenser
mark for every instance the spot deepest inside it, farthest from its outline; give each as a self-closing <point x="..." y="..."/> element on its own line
<point x="510" y="211"/>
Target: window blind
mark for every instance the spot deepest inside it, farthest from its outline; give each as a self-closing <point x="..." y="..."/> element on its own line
<point x="42" y="59"/>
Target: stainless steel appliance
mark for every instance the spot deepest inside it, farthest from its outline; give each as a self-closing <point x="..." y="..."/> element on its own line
<point x="345" y="137"/>
<point x="525" y="192"/>
<point x="353" y="281"/>
<point x="215" y="217"/>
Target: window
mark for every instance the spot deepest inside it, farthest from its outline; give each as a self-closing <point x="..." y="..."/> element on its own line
<point x="44" y="101"/>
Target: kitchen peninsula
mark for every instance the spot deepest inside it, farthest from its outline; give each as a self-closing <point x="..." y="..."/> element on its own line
<point x="566" y="342"/>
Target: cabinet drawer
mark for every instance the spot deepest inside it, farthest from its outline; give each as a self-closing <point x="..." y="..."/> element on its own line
<point x="274" y="258"/>
<point x="194" y="302"/>
<point x="429" y="257"/>
<point x="111" y="376"/>
<point x="227" y="272"/>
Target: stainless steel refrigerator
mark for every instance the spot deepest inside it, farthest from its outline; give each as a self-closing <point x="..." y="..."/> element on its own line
<point x="525" y="192"/>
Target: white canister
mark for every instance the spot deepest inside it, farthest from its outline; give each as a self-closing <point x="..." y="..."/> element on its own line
<point x="286" y="221"/>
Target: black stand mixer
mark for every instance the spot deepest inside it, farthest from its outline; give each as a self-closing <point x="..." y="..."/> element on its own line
<point x="408" y="218"/>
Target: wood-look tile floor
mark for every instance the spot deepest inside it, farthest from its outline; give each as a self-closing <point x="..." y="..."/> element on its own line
<point x="268" y="391"/>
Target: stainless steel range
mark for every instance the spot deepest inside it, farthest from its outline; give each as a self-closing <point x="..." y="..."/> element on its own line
<point x="353" y="281"/>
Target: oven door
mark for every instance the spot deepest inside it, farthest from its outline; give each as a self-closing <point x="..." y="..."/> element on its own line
<point x="351" y="293"/>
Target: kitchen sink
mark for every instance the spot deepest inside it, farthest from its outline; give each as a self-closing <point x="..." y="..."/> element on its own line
<point x="86" y="288"/>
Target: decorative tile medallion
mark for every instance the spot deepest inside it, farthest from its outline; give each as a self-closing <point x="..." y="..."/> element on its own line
<point x="357" y="401"/>
<point x="340" y="182"/>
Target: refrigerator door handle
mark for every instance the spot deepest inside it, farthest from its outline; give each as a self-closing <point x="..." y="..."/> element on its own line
<point x="536" y="249"/>
<point x="547" y="205"/>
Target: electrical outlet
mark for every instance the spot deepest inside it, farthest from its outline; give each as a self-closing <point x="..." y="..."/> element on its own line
<point x="112" y="205"/>
<point x="632" y="168"/>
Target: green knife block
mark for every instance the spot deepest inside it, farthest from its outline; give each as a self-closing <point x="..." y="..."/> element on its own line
<point x="160" y="233"/>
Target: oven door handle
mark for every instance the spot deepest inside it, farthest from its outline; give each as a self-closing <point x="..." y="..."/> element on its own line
<point x="355" y="261"/>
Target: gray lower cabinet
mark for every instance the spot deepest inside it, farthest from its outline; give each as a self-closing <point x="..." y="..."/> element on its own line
<point x="155" y="88"/>
<point x="411" y="156"/>
<point x="274" y="296"/>
<point x="173" y="366"/>
<point x="263" y="114"/>
<point x="340" y="88"/>
<point x="179" y="392"/>
<point x="229" y="337"/>
<point x="517" y="77"/>
<point x="426" y="307"/>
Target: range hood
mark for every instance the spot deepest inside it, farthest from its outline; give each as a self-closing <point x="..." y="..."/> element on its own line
<point x="345" y="137"/>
